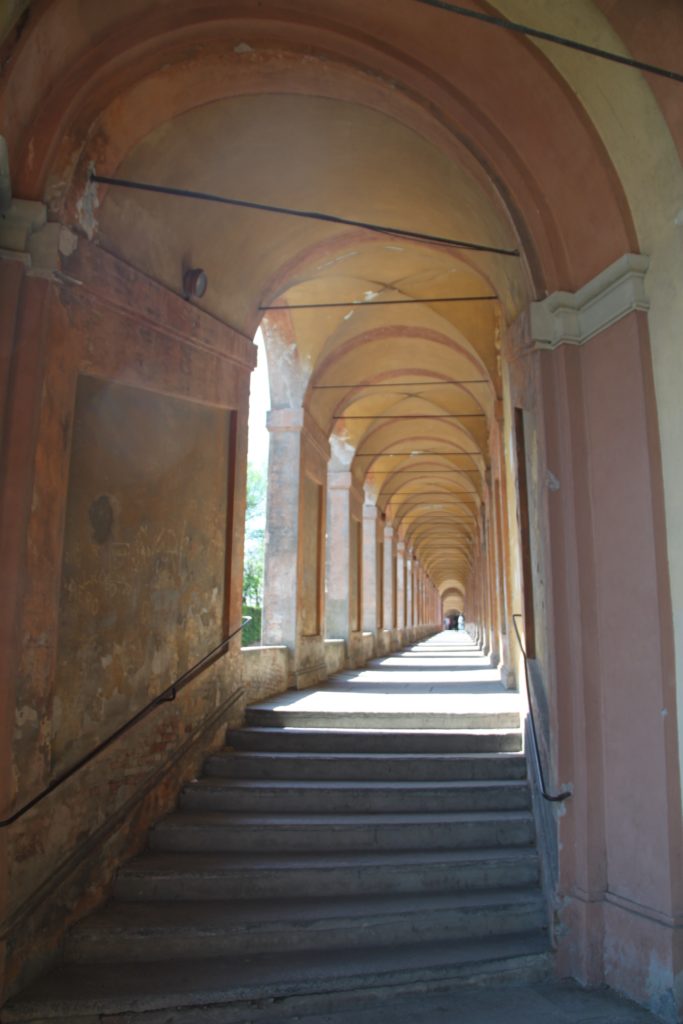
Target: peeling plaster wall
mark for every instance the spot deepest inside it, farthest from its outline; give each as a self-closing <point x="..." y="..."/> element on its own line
<point x="143" y="573"/>
<point x="264" y="672"/>
<point x="183" y="377"/>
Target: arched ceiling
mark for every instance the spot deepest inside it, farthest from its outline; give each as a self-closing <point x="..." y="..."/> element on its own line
<point x="371" y="112"/>
<point x="376" y="377"/>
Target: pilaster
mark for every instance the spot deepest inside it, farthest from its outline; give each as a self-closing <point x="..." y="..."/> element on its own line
<point x="400" y="585"/>
<point x="371" y="569"/>
<point x="295" y="517"/>
<point x="388" y="573"/>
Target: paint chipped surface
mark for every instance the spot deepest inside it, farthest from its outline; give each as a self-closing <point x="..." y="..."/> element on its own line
<point x="142" y="586"/>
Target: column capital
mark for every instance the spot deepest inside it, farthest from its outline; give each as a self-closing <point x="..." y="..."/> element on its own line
<point x="388" y="532"/>
<point x="339" y="479"/>
<point x="23" y="219"/>
<point x="26" y="235"/>
<point x="298" y="421"/>
<point x="575" y="317"/>
<point x="370" y="512"/>
<point x="285" y="420"/>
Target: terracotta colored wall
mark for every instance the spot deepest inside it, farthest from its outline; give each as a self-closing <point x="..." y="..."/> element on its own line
<point x="103" y="320"/>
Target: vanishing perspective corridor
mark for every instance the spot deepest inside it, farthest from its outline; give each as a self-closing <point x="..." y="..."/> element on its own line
<point x="455" y="231"/>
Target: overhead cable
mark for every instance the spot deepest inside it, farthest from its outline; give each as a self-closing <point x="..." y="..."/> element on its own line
<point x="400" y="384"/>
<point x="419" y="416"/>
<point x="381" y="302"/>
<point x="551" y="37"/>
<point x="328" y="218"/>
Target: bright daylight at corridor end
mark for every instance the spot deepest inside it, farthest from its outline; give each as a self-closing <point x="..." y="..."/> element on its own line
<point x="366" y="706"/>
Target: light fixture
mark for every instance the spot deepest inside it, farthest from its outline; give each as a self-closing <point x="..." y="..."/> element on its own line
<point x="195" y="283"/>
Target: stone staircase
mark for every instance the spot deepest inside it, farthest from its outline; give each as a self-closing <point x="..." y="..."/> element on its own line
<point x="323" y="857"/>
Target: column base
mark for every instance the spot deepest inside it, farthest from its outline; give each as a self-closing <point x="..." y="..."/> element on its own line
<point x="635" y="950"/>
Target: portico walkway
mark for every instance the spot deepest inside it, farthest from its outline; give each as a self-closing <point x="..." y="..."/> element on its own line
<point x="443" y="679"/>
<point x="444" y="676"/>
<point x="361" y="852"/>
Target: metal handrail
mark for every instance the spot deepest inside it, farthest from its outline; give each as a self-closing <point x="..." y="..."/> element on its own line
<point x="168" y="695"/>
<point x="552" y="797"/>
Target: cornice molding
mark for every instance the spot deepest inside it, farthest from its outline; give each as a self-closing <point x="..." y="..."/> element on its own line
<point x="572" y="318"/>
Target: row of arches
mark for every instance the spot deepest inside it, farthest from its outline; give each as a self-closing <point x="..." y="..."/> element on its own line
<point x="484" y="386"/>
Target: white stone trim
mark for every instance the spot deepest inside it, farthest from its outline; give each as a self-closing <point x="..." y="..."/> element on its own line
<point x="21" y="220"/>
<point x="574" y="317"/>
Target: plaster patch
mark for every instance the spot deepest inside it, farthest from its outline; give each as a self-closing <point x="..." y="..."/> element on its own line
<point x="660" y="996"/>
<point x="342" y="451"/>
<point x="86" y="206"/>
<point x="68" y="242"/>
<point x="552" y="481"/>
<point x="26" y="715"/>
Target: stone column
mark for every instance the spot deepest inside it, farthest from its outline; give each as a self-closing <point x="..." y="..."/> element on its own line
<point x="295" y="517"/>
<point x="400" y="585"/>
<point x="419" y="615"/>
<point x="410" y="568"/>
<point x="338" y="595"/>
<point x="370" y="569"/>
<point x="388" y="571"/>
<point x="344" y="499"/>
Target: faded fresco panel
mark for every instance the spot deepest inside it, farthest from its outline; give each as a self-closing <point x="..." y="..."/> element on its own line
<point x="143" y="575"/>
<point x="311" y="540"/>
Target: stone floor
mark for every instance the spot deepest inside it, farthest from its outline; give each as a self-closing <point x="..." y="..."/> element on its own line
<point x="424" y="677"/>
<point x="446" y="674"/>
<point x="561" y="1003"/>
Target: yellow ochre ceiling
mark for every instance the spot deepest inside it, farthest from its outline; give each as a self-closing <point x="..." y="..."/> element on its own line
<point x="408" y="391"/>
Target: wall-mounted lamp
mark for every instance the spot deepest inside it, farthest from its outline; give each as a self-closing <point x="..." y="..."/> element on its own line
<point x="195" y="283"/>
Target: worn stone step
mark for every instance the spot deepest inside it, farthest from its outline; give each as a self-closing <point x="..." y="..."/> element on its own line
<point x="226" y="831"/>
<point x="334" y="797"/>
<point x="377" y="741"/>
<point x="210" y="991"/>
<point x="389" y="767"/>
<point x="352" y="719"/>
<point x="133" y="932"/>
<point x="209" y="876"/>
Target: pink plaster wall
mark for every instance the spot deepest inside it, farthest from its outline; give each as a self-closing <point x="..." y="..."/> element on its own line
<point x="620" y="838"/>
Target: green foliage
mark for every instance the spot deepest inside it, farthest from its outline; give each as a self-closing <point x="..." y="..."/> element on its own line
<point x="252" y="579"/>
<point x="256" y="494"/>
<point x="254" y="550"/>
<point x="251" y="634"/>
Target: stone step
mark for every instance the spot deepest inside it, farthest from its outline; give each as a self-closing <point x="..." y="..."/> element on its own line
<point x="135" y="932"/>
<point x="376" y="741"/>
<point x="333" y="797"/>
<point x="224" y="831"/>
<point x="224" y="876"/>
<point x="389" y="767"/>
<point x="289" y="718"/>
<point x="210" y="991"/>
